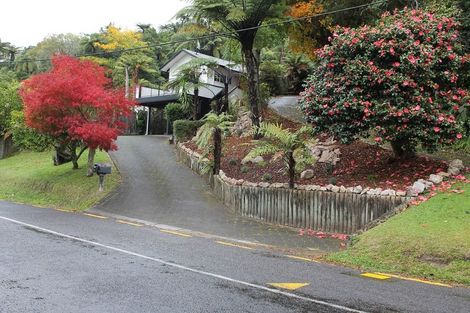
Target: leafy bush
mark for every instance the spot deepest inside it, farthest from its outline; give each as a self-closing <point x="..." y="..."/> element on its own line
<point x="244" y="169"/>
<point x="267" y="177"/>
<point x="9" y="99"/>
<point x="27" y="138"/>
<point x="399" y="79"/>
<point x="175" y="111"/>
<point x="184" y="130"/>
<point x="233" y="162"/>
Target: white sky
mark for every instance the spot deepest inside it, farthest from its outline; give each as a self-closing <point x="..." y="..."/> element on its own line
<point x="27" y="22"/>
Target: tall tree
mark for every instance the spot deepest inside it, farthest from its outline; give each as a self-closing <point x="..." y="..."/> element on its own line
<point x="73" y="104"/>
<point x="241" y="18"/>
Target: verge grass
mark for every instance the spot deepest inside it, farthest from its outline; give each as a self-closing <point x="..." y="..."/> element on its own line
<point x="31" y="178"/>
<point x="430" y="240"/>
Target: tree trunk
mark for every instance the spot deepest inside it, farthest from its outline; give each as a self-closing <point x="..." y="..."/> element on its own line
<point x="402" y="149"/>
<point x="196" y="110"/>
<point x="217" y="150"/>
<point x="290" y="156"/>
<point x="91" y="162"/>
<point x="73" y="154"/>
<point x="247" y="40"/>
<point x="225" y="104"/>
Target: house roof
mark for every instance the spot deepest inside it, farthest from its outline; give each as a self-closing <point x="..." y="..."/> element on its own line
<point x="221" y="62"/>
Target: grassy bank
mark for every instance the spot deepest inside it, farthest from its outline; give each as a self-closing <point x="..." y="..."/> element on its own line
<point x="431" y="241"/>
<point x="30" y="177"/>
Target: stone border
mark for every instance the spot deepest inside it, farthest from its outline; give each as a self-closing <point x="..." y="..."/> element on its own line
<point x="417" y="188"/>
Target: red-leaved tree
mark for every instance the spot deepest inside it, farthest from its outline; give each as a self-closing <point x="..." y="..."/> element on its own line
<point x="398" y="79"/>
<point x="75" y="104"/>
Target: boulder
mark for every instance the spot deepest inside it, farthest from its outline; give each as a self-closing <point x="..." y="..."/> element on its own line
<point x="335" y="189"/>
<point x="455" y="167"/>
<point x="435" y="179"/>
<point x="243" y="125"/>
<point x="419" y="187"/>
<point x="443" y="174"/>
<point x="255" y="160"/>
<point x="307" y="174"/>
<point x="343" y="189"/>
<point x="401" y="193"/>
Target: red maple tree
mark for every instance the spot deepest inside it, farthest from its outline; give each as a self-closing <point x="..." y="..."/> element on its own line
<point x="75" y="104"/>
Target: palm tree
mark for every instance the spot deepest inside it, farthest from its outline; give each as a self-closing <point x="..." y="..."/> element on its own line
<point x="187" y="79"/>
<point x="242" y="18"/>
<point x="214" y="127"/>
<point x="293" y="146"/>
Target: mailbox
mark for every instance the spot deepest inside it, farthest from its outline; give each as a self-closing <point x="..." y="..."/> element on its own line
<point x="102" y="168"/>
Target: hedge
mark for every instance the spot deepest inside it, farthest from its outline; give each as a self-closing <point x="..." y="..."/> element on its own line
<point x="184" y="130"/>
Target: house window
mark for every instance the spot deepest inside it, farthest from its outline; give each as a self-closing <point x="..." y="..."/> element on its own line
<point x="219" y="78"/>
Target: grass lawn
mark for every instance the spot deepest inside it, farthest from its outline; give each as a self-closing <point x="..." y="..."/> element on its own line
<point x="431" y="241"/>
<point x="31" y="178"/>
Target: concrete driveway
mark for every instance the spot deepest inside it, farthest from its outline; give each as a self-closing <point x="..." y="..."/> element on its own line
<point x="158" y="189"/>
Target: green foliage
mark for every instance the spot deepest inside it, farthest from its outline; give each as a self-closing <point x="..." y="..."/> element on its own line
<point x="9" y="99"/>
<point x="175" y="111"/>
<point x="244" y="169"/>
<point x="233" y="162"/>
<point x="267" y="177"/>
<point x="276" y="139"/>
<point x="272" y="74"/>
<point x="27" y="138"/>
<point x="184" y="130"/>
<point x="211" y="121"/>
<point x="399" y="79"/>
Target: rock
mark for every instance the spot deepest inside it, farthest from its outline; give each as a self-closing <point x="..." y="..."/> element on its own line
<point x="401" y="193"/>
<point x="350" y="189"/>
<point x="243" y="125"/>
<point x="453" y="171"/>
<point x="388" y="192"/>
<point x="277" y="185"/>
<point x="426" y="183"/>
<point x="307" y="174"/>
<point x="411" y="192"/>
<point x="443" y="174"/>
<point x="312" y="187"/>
<point x="240" y="182"/>
<point x="250" y="184"/>
<point x="335" y="189"/>
<point x="365" y="190"/>
<point x="323" y="189"/>
<point x="457" y="164"/>
<point x="372" y="192"/>
<point x="301" y="187"/>
<point x="342" y="189"/>
<point x="357" y="189"/>
<point x="255" y="160"/>
<point x="329" y="187"/>
<point x="264" y="184"/>
<point x="435" y="179"/>
<point x="419" y="187"/>
<point x="327" y="156"/>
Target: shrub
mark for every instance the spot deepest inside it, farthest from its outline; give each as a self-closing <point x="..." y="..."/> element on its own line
<point x="233" y="162"/>
<point x="184" y="130"/>
<point x="175" y="111"/>
<point x="244" y="169"/>
<point x="267" y="177"/>
<point x="27" y="138"/>
<point x="399" y="79"/>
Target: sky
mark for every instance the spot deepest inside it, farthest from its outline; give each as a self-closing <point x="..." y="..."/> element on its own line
<point x="27" y="22"/>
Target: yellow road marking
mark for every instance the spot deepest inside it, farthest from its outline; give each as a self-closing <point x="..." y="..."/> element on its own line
<point x="233" y="245"/>
<point x="289" y="286"/>
<point x="62" y="210"/>
<point x="376" y="276"/>
<point x="95" y="216"/>
<point x="174" y="233"/>
<point x="129" y="223"/>
<point x="418" y="280"/>
<point x="301" y="258"/>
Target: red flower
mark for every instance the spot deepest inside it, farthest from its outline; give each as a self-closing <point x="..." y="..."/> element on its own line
<point x="378" y="139"/>
<point x="417" y="108"/>
<point x="412" y="59"/>
<point x="437" y="129"/>
<point x="459" y="136"/>
<point x="396" y="64"/>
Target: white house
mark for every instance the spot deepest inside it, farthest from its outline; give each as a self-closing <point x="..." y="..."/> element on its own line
<point x="214" y="86"/>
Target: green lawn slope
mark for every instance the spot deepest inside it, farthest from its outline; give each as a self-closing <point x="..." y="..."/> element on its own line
<point x="430" y="240"/>
<point x="31" y="178"/>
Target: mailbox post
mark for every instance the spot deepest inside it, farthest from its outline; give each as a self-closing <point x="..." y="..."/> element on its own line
<point x="102" y="169"/>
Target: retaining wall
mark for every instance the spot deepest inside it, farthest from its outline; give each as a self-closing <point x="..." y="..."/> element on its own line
<point x="327" y="211"/>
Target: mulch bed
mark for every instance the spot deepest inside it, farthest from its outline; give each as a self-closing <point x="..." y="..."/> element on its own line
<point x="360" y="164"/>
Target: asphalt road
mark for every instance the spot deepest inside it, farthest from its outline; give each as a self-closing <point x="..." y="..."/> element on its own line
<point x="53" y="261"/>
<point x="157" y="188"/>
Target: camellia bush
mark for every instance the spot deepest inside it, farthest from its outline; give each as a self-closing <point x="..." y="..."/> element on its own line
<point x="398" y="80"/>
